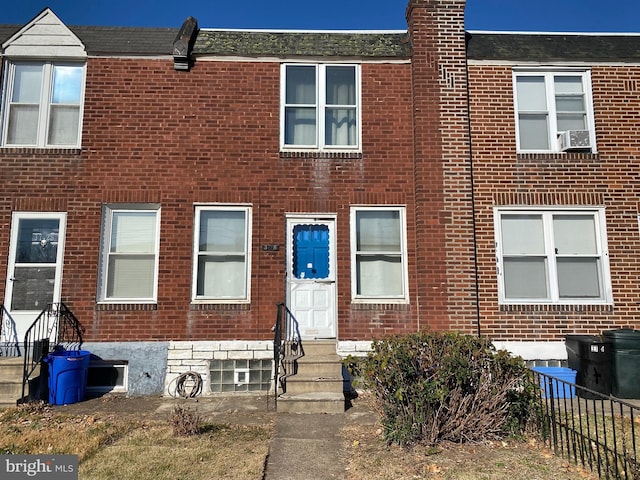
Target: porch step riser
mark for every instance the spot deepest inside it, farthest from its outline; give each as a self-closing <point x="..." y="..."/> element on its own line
<point x="318" y="348"/>
<point x="11" y="370"/>
<point x="319" y="370"/>
<point x="297" y="386"/>
<point x="311" y="403"/>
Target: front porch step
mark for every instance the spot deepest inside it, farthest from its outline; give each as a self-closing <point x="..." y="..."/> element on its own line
<point x="11" y="371"/>
<point x="317" y="386"/>
<point x="300" y="384"/>
<point x="316" y="402"/>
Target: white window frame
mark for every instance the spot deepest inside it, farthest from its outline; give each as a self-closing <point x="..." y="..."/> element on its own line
<point x="45" y="102"/>
<point x="103" y="277"/>
<point x="547" y="214"/>
<point x="553" y="132"/>
<point x="403" y="297"/>
<point x="321" y="108"/>
<point x="246" y="298"/>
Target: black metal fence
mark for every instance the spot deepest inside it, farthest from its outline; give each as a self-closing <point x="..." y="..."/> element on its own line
<point x="594" y="430"/>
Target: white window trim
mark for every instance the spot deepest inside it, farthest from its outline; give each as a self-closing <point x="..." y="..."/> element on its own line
<point x="109" y="210"/>
<point x="45" y="102"/>
<point x="404" y="297"/>
<point x="598" y="213"/>
<point x="549" y="74"/>
<point x="195" y="299"/>
<point x="121" y="365"/>
<point x="321" y="109"/>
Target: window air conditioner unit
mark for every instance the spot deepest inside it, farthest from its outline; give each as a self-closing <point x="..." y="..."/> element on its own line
<point x="574" y="140"/>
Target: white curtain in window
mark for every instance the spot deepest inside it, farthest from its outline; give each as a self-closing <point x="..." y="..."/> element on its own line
<point x="522" y="234"/>
<point x="379" y="253"/>
<point x="533" y="118"/>
<point x="25" y="105"/>
<point x="131" y="267"/>
<point x="379" y="275"/>
<point x="574" y="234"/>
<point x="301" y="109"/>
<point x="570" y="103"/>
<point x="378" y="230"/>
<point x="221" y="276"/>
<point x="579" y="277"/>
<point x="222" y="257"/>
<point x="131" y="276"/>
<point x="525" y="277"/>
<point x="340" y="114"/>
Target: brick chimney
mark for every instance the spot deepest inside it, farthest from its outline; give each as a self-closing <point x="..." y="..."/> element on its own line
<point x="446" y="283"/>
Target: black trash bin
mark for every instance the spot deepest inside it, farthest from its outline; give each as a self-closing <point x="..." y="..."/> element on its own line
<point x="590" y="356"/>
<point x="625" y="362"/>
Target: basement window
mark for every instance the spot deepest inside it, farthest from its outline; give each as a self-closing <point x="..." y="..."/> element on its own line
<point x="240" y="375"/>
<point x="107" y="376"/>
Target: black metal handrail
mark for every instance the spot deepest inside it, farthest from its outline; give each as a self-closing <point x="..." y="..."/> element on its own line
<point x="56" y="328"/>
<point x="589" y="428"/>
<point x="287" y="348"/>
<point x="9" y="344"/>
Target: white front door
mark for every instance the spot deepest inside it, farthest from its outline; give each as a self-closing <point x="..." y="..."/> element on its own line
<point x="311" y="275"/>
<point x="34" y="271"/>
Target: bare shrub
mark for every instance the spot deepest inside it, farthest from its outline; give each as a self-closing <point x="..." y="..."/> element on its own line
<point x="434" y="387"/>
<point x="184" y="421"/>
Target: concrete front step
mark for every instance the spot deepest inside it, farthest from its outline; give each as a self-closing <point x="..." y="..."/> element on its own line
<point x="299" y="384"/>
<point x="316" y="402"/>
<point x="314" y="348"/>
<point x="11" y="368"/>
<point x="317" y="387"/>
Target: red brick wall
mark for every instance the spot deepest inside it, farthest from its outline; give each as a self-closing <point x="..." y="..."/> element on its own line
<point x="608" y="178"/>
<point x="151" y="134"/>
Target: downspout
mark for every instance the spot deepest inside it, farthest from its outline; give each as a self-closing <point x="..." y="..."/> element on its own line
<point x="472" y="184"/>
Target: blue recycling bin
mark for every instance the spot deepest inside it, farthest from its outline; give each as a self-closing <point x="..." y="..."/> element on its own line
<point x="68" y="371"/>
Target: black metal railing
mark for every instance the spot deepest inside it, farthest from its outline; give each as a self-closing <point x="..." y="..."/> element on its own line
<point x="56" y="328"/>
<point x="287" y="348"/>
<point x="9" y="344"/>
<point x="589" y="428"/>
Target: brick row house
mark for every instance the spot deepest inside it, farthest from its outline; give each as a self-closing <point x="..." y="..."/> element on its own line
<point x="171" y="187"/>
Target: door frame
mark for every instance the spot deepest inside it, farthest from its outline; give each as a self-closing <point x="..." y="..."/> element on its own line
<point x="24" y="318"/>
<point x="329" y="219"/>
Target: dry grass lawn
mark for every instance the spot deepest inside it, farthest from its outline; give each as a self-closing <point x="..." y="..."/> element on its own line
<point x="120" y="447"/>
<point x="368" y="457"/>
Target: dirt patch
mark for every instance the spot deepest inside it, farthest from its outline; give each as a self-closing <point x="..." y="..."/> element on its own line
<point x="232" y="409"/>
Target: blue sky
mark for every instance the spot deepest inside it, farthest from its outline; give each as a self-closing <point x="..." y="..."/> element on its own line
<point x="518" y="15"/>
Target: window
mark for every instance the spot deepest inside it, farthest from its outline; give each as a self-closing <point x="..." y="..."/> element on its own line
<point x="552" y="257"/>
<point x="549" y="104"/>
<point x="43" y="106"/>
<point x="107" y="376"/>
<point x="240" y="375"/>
<point x="130" y="245"/>
<point x="320" y="107"/>
<point x="221" y="254"/>
<point x="378" y="254"/>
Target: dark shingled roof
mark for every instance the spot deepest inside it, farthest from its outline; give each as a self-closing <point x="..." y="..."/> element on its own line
<point x="289" y="44"/>
<point x="127" y="40"/>
<point x="553" y="47"/>
<point x="159" y="41"/>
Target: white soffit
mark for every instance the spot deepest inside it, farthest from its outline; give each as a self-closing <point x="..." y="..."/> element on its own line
<point x="44" y="37"/>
